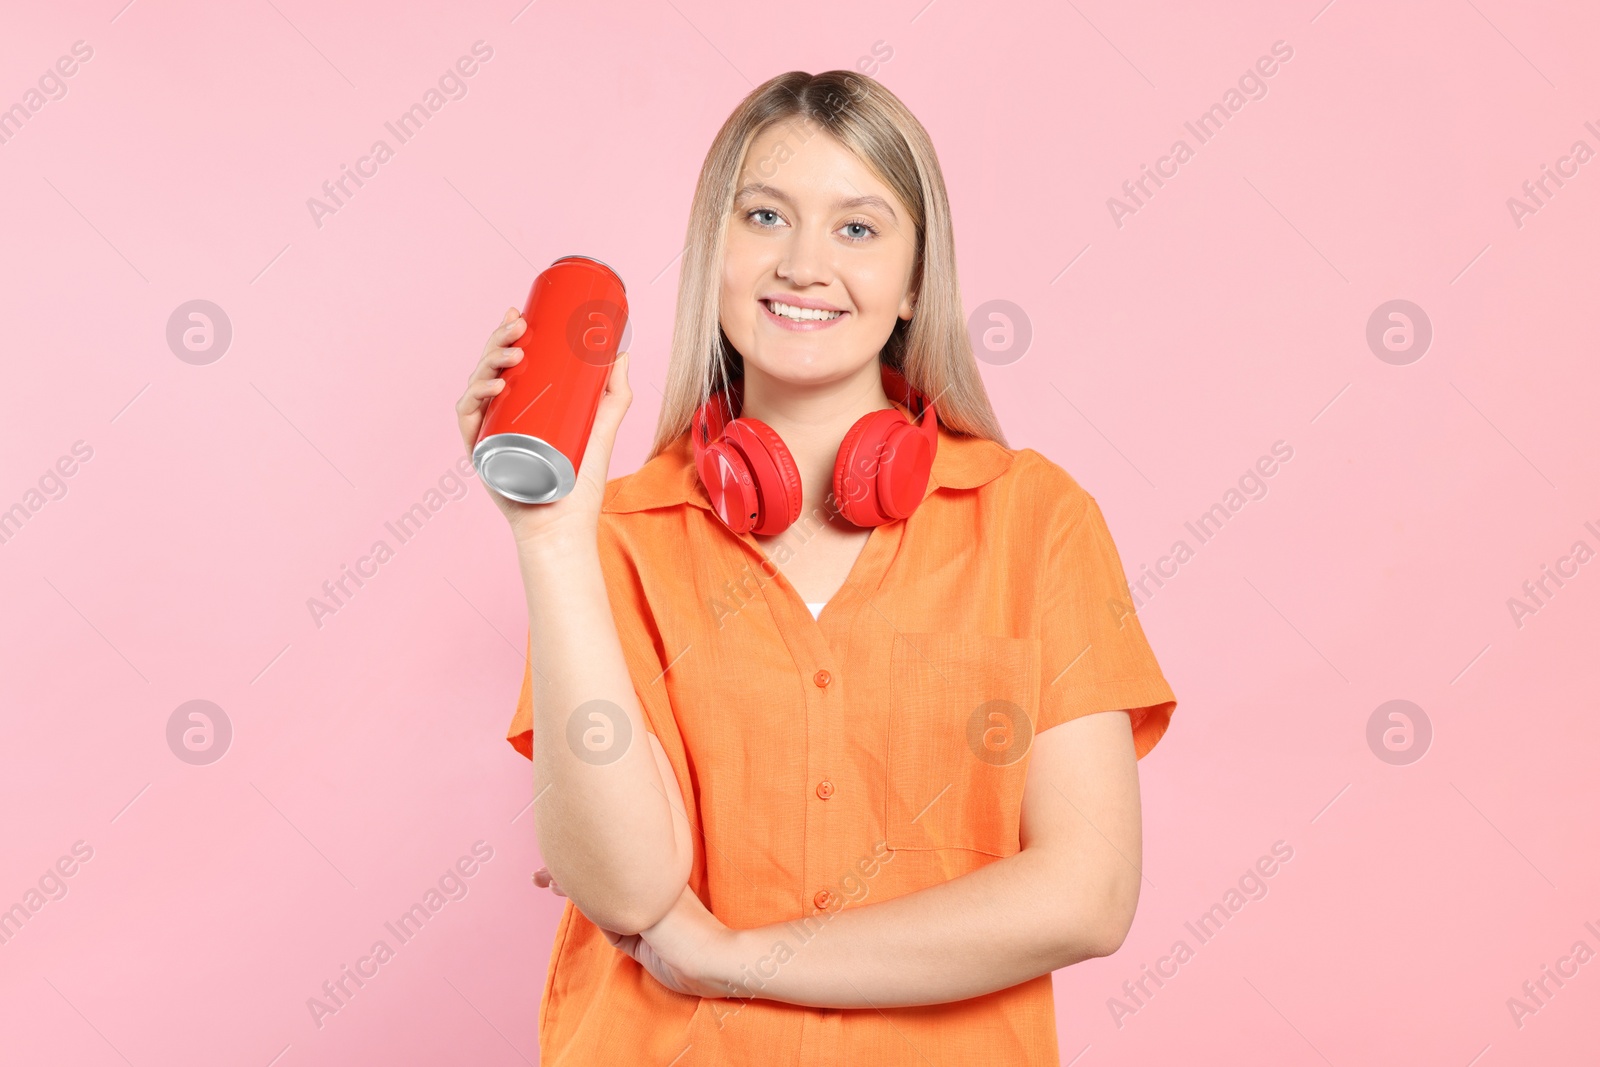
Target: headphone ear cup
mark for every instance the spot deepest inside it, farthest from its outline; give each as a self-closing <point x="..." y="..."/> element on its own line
<point x="772" y="467"/>
<point x="856" y="472"/>
<point x="729" y="486"/>
<point x="883" y="468"/>
<point x="904" y="471"/>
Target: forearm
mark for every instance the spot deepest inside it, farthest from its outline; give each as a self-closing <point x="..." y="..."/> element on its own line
<point x="607" y="831"/>
<point x="1003" y="924"/>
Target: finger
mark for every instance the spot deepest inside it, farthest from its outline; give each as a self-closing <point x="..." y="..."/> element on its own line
<point x="498" y="354"/>
<point x="495" y="358"/>
<point x="476" y="393"/>
<point x="510" y="328"/>
<point x="511" y="325"/>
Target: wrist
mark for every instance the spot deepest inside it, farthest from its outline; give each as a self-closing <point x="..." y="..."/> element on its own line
<point x="556" y="543"/>
<point x="734" y="964"/>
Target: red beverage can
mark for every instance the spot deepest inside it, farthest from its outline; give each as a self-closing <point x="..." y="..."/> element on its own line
<point x="535" y="430"/>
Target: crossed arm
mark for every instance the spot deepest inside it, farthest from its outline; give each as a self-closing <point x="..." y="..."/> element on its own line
<point x="1068" y="895"/>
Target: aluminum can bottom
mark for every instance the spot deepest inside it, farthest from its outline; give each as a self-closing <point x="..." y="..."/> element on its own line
<point x="523" y="468"/>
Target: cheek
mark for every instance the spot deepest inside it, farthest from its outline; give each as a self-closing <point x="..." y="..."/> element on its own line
<point x="877" y="293"/>
<point x="739" y="274"/>
<point x="737" y="315"/>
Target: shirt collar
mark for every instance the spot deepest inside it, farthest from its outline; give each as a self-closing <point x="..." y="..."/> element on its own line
<point x="961" y="462"/>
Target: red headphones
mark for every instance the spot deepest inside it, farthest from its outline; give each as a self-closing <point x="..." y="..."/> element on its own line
<point x="880" y="475"/>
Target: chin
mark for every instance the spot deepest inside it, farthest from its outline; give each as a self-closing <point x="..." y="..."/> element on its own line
<point x="796" y="366"/>
<point x="803" y="366"/>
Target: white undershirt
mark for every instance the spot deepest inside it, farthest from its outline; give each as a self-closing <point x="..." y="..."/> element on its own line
<point x="816" y="609"/>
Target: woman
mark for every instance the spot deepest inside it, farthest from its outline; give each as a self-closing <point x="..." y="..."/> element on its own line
<point x="892" y="710"/>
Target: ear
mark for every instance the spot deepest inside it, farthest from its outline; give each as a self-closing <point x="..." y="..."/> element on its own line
<point x="908" y="303"/>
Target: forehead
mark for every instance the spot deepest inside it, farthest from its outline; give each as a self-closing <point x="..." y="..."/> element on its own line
<point x="806" y="163"/>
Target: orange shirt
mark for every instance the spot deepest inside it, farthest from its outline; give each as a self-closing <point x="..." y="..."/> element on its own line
<point x="832" y="762"/>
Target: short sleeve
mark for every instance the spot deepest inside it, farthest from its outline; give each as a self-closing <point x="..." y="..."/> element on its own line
<point x="641" y="647"/>
<point x="1094" y="653"/>
<point x="521" y="733"/>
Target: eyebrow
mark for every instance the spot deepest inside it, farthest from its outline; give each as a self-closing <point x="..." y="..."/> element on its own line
<point x="759" y="188"/>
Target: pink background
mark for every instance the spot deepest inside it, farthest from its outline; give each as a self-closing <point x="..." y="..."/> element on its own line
<point x="1228" y="313"/>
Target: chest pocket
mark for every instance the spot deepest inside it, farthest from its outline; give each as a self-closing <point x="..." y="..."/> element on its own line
<point x="961" y="725"/>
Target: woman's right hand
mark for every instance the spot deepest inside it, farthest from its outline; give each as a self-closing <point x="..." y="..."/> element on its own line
<point x="579" y="510"/>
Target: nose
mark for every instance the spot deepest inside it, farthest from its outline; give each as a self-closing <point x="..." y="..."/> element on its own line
<point x="806" y="258"/>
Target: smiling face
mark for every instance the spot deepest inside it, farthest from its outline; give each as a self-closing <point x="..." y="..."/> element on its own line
<point x="818" y="262"/>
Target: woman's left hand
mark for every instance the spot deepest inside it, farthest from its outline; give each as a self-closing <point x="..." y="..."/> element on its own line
<point x="687" y="950"/>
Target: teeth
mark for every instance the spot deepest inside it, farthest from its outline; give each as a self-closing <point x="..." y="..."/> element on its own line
<point x="790" y="312"/>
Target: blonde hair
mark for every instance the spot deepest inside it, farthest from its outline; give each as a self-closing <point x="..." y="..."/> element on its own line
<point x="932" y="350"/>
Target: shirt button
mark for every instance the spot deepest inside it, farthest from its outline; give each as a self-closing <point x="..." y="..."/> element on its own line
<point x="822" y="899"/>
<point x="824" y="789"/>
<point x="822" y="678"/>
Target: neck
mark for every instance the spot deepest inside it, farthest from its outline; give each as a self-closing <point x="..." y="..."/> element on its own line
<point x="812" y="420"/>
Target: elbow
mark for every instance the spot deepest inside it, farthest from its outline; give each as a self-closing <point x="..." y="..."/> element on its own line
<point x="1112" y="923"/>
<point x="626" y="922"/>
<point x="1104" y="926"/>
<point x="624" y="898"/>
<point x="646" y="905"/>
<point x="1105" y="937"/>
<point x="631" y="913"/>
<point x="1092" y="937"/>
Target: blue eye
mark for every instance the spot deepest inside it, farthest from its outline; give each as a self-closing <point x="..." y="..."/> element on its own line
<point x="871" y="230"/>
